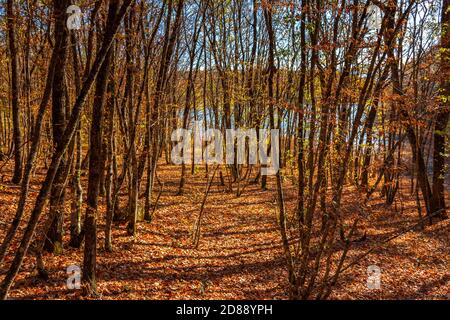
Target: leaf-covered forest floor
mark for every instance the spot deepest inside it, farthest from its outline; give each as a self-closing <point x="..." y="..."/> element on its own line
<point x="239" y="254"/>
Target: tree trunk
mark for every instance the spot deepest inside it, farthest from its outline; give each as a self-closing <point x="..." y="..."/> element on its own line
<point x="440" y="128"/>
<point x="58" y="154"/>
<point x="17" y="133"/>
<point x="53" y="240"/>
<point x="96" y="164"/>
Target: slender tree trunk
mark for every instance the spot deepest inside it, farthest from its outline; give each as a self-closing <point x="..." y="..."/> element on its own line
<point x="412" y="137"/>
<point x="109" y="149"/>
<point x="17" y="132"/>
<point x="440" y="128"/>
<point x="53" y="240"/>
<point x="30" y="161"/>
<point x="77" y="190"/>
<point x="129" y="96"/>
